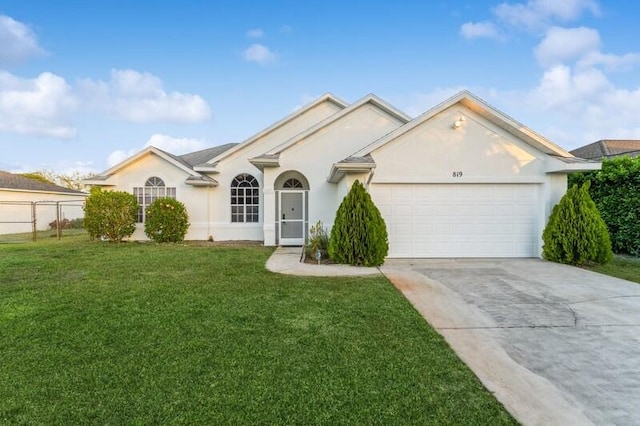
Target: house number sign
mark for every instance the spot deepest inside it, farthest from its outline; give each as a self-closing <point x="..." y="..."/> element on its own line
<point x="456" y="173"/>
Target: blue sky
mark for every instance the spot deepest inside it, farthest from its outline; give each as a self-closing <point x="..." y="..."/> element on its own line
<point x="84" y="84"/>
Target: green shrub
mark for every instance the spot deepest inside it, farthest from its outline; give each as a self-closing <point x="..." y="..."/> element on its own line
<point x="616" y="191"/>
<point x="110" y="214"/>
<point x="318" y="240"/>
<point x="166" y="221"/>
<point x="359" y="234"/>
<point x="575" y="233"/>
<point x="64" y="224"/>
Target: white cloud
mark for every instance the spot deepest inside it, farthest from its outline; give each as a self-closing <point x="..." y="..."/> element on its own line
<point x="37" y="107"/>
<point x="141" y="97"/>
<point x="176" y="146"/>
<point x="119" y="156"/>
<point x="562" y="45"/>
<point x="535" y="14"/>
<point x="484" y="29"/>
<point x="588" y="104"/>
<point x="286" y="29"/>
<point x="259" y="54"/>
<point x="17" y="41"/>
<point x="610" y="62"/>
<point x="255" y="33"/>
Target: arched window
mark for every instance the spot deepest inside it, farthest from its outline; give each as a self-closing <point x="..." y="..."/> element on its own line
<point x="292" y="183"/>
<point x="245" y="199"/>
<point x="153" y="189"/>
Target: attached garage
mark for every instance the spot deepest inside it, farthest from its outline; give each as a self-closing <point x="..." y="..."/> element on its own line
<point x="464" y="180"/>
<point x="460" y="220"/>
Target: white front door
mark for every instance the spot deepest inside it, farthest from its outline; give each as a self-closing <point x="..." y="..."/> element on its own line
<point x="292" y="216"/>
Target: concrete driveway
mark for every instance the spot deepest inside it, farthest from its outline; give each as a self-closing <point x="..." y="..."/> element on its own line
<point x="556" y="344"/>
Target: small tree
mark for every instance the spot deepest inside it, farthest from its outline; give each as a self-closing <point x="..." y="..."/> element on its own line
<point x="166" y="221"/>
<point x="110" y="214"/>
<point x="576" y="234"/>
<point x="359" y="234"/>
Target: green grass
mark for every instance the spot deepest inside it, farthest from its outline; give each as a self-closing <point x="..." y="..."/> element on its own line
<point x="25" y="237"/>
<point x="98" y="333"/>
<point x="627" y="268"/>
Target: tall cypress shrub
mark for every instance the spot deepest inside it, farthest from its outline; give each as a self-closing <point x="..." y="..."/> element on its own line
<point x="359" y="234"/>
<point x="576" y="233"/>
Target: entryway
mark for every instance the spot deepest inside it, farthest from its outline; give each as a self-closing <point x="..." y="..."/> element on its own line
<point x="292" y="190"/>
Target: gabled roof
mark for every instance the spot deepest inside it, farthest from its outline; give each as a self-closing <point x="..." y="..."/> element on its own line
<point x="608" y="148"/>
<point x="20" y="183"/>
<point x="483" y="109"/>
<point x="271" y="157"/>
<point x="327" y="97"/>
<point x="176" y="161"/>
<point x="184" y="162"/>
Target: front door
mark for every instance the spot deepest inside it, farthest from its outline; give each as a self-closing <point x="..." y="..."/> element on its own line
<point x="292" y="216"/>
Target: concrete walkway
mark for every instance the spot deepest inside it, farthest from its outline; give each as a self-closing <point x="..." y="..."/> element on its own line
<point x="557" y="345"/>
<point x="286" y="260"/>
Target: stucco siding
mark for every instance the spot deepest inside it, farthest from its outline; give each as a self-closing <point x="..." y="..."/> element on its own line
<point x="478" y="151"/>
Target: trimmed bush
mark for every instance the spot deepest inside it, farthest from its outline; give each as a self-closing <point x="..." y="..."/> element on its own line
<point x="110" y="214"/>
<point x="575" y="233"/>
<point x="166" y="221"/>
<point x="359" y="234"/>
<point x="616" y="191"/>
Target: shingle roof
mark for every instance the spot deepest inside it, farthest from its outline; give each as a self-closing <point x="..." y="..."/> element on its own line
<point x="358" y="160"/>
<point x="195" y="158"/>
<point x="13" y="181"/>
<point x="607" y="148"/>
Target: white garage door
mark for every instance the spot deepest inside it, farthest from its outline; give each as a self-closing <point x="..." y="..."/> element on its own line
<point x="460" y="220"/>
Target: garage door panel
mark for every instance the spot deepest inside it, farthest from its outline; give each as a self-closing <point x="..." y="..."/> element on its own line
<point x="461" y="220"/>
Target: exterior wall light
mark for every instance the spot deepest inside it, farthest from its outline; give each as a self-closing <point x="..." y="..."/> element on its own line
<point x="458" y="122"/>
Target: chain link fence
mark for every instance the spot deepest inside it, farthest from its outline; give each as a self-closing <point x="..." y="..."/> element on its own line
<point x="24" y="221"/>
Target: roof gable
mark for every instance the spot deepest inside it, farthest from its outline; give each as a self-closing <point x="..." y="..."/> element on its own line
<point x="150" y="150"/>
<point x="369" y="99"/>
<point x="328" y="97"/>
<point x="483" y="109"/>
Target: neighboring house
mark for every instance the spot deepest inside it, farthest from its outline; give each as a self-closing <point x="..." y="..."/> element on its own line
<point x="461" y="180"/>
<point x="608" y="148"/>
<point x="23" y="200"/>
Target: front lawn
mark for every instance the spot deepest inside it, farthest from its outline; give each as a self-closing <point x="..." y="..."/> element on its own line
<point x="625" y="267"/>
<point x="98" y="333"/>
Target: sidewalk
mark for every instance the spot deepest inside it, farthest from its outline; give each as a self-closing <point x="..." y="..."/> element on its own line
<point x="286" y="260"/>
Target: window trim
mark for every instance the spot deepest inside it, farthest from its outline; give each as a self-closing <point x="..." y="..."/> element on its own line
<point x="244" y="199"/>
<point x="154" y="188"/>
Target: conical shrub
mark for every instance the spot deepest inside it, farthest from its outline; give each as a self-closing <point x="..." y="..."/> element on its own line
<point x="359" y="234"/>
<point x="576" y="233"/>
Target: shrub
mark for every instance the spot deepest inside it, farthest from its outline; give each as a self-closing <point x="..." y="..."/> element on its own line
<point x="318" y="240"/>
<point x="575" y="233"/>
<point x="110" y="214"/>
<point x="359" y="234"/>
<point x="166" y="221"/>
<point x="77" y="223"/>
<point x="64" y="224"/>
<point x="616" y="191"/>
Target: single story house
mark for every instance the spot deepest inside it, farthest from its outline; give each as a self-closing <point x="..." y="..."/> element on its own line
<point x="461" y="180"/>
<point x="608" y="148"/>
<point x="24" y="200"/>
